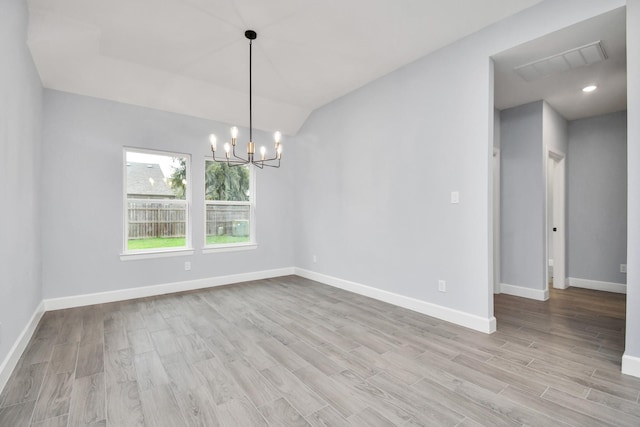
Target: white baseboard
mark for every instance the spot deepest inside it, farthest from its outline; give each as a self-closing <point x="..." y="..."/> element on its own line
<point x="562" y="285"/>
<point x="9" y="363"/>
<point x="471" y="321"/>
<point x="631" y="365"/>
<point x="162" y="289"/>
<point x="521" y="291"/>
<point x="619" y="288"/>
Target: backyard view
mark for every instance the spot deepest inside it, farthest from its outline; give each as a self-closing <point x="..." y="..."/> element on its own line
<point x="157" y="205"/>
<point x="171" y="242"/>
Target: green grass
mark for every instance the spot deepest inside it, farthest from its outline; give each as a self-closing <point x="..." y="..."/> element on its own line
<point x="177" y="242"/>
<point x="156" y="243"/>
<point x="215" y="240"/>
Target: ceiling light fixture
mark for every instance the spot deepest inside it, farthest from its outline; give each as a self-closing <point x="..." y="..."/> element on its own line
<point x="231" y="158"/>
<point x="590" y="88"/>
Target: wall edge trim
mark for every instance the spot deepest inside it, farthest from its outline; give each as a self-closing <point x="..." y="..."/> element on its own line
<point x="598" y="285"/>
<point x="631" y="365"/>
<point x="523" y="292"/>
<point x="461" y="318"/>
<point x="161" y="289"/>
<point x="15" y="352"/>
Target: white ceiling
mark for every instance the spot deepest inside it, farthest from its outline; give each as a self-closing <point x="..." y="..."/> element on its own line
<point x="563" y="91"/>
<point x="191" y="57"/>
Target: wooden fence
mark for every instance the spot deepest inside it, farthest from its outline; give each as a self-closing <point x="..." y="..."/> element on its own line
<point x="232" y="220"/>
<point x="149" y="219"/>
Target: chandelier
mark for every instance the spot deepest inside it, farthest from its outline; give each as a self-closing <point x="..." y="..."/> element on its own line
<point x="231" y="158"/>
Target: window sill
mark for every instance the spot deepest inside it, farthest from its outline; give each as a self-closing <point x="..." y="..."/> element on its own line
<point x="229" y="248"/>
<point x="130" y="256"/>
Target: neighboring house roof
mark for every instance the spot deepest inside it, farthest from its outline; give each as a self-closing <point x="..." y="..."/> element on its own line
<point x="147" y="179"/>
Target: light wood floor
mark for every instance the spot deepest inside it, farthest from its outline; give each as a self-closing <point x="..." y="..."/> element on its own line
<point x="291" y="352"/>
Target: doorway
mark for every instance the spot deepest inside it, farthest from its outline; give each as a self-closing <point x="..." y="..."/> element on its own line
<point x="556" y="221"/>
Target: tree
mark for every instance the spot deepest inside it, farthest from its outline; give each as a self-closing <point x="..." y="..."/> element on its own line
<point x="178" y="179"/>
<point x="222" y="182"/>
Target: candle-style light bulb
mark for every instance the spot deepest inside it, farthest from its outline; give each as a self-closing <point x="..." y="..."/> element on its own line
<point x="234" y="132"/>
<point x="279" y="152"/>
<point x="277" y="137"/>
<point x="263" y="151"/>
<point x="213" y="140"/>
<point x="227" y="149"/>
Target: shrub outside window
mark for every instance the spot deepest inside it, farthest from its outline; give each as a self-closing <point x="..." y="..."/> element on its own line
<point x="229" y="205"/>
<point x="156" y="201"/>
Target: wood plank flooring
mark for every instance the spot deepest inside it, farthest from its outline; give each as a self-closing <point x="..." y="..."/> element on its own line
<point x="292" y="352"/>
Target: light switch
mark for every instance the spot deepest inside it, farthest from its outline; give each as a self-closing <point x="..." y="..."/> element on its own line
<point x="455" y="197"/>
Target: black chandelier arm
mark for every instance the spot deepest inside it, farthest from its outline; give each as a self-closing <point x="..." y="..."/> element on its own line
<point x="233" y="152"/>
<point x="262" y="163"/>
<point x="228" y="161"/>
<point x="270" y="159"/>
<point x="257" y="163"/>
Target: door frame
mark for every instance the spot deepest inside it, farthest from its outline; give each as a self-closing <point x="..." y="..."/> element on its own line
<point x="496" y="220"/>
<point x="559" y="220"/>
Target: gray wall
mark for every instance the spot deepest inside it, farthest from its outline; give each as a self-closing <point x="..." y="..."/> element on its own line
<point x="20" y="121"/>
<point x="597" y="198"/>
<point x="522" y="194"/>
<point x="83" y="220"/>
<point x="376" y="168"/>
<point x="555" y="130"/>
<point x="633" y="181"/>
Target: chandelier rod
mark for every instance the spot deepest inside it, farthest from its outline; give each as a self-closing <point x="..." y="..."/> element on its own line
<point x="251" y="35"/>
<point x="250" y="96"/>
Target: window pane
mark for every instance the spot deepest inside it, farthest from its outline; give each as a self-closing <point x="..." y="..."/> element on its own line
<point x="228" y="224"/>
<point x="156" y="201"/>
<point x="155" y="176"/>
<point x="154" y="225"/>
<point x="226" y="183"/>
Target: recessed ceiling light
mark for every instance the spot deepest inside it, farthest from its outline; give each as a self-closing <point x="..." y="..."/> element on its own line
<point x="589" y="88"/>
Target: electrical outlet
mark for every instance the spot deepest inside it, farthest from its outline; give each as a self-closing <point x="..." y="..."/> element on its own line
<point x="455" y="197"/>
<point x="187" y="265"/>
<point x="315" y="259"/>
<point x="442" y="286"/>
<point x="623" y="268"/>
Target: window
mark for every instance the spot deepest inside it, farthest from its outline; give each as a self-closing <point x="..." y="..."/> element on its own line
<point x="156" y="201"/>
<point x="229" y="205"/>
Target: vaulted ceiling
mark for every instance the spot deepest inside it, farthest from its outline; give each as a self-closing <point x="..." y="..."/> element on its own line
<point x="191" y="56"/>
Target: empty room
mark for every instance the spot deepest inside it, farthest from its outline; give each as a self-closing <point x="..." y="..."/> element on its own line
<point x="320" y="213"/>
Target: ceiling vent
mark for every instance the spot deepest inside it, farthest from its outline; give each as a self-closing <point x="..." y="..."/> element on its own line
<point x="561" y="62"/>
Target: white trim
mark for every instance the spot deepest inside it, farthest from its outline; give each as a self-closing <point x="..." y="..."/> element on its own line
<point x="631" y="365"/>
<point x="130" y="256"/>
<point x="162" y="289"/>
<point x="252" y="203"/>
<point x="559" y="220"/>
<point x="11" y="360"/>
<point x="486" y="325"/>
<point x="234" y="247"/>
<point x="598" y="285"/>
<point x="521" y="291"/>
<point x="496" y="220"/>
<point x="187" y="201"/>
